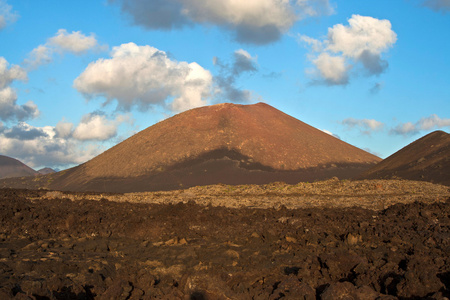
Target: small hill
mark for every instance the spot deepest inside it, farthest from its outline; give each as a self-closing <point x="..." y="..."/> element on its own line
<point x="10" y="167"/>
<point x="427" y="159"/>
<point x="224" y="143"/>
<point x="46" y="171"/>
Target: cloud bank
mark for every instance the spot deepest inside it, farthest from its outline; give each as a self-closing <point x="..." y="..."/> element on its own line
<point x="98" y="127"/>
<point x="427" y="123"/>
<point x="62" y="145"/>
<point x="23" y="131"/>
<point x="143" y="76"/>
<point x="250" y="21"/>
<point x="8" y="75"/>
<point x="39" y="146"/>
<point x="94" y="126"/>
<point x="358" y="47"/>
<point x="9" y="109"/>
<point x="366" y="126"/>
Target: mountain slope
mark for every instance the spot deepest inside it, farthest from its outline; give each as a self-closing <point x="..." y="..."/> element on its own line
<point x="224" y="143"/>
<point x="10" y="167"/>
<point x="426" y="159"/>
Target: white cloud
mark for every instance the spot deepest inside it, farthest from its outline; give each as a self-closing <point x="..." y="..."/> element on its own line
<point x="96" y="127"/>
<point x="8" y="75"/>
<point x="330" y="133"/>
<point x="9" y="109"/>
<point x="314" y="7"/>
<point x="251" y="21"/>
<point x="424" y="124"/>
<point x="438" y="5"/>
<point x="361" y="43"/>
<point x="40" y="55"/>
<point x="316" y="45"/>
<point x="75" y="42"/>
<point x="333" y="69"/>
<point x="373" y="124"/>
<point x="144" y="76"/>
<point x="405" y="129"/>
<point x="7" y="16"/>
<point x="362" y="34"/>
<point x="366" y="126"/>
<point x="432" y="122"/>
<point x="63" y="129"/>
<point x="60" y="146"/>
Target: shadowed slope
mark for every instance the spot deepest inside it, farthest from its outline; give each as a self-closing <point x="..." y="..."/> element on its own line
<point x="10" y="167"/>
<point x="426" y="159"/>
<point x="224" y="143"/>
<point x="258" y="131"/>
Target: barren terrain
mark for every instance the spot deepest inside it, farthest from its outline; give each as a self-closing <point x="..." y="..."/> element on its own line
<point x="10" y="167"/>
<point x="355" y="240"/>
<point x="427" y="159"/>
<point x="224" y="143"/>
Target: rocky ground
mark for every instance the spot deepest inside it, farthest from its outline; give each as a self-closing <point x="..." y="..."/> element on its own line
<point x="325" y="240"/>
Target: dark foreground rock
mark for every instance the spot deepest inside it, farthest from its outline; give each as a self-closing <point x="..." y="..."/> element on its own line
<point x="84" y="249"/>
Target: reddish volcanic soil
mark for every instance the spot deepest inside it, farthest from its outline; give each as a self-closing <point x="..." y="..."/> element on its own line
<point x="332" y="240"/>
<point x="224" y="143"/>
<point x="426" y="159"/>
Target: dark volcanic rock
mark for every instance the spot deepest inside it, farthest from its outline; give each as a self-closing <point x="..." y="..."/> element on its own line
<point x="62" y="249"/>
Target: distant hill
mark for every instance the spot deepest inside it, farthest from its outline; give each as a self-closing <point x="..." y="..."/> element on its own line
<point x="224" y="143"/>
<point x="10" y="167"/>
<point x="426" y="159"/>
<point x="46" y="171"/>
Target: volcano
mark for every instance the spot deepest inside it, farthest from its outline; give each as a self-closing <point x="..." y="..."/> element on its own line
<point x="224" y="143"/>
<point x="426" y="159"/>
<point x="10" y="167"/>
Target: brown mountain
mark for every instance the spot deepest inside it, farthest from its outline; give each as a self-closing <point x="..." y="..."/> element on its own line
<point x="426" y="159"/>
<point x="10" y="167"/>
<point x="46" y="171"/>
<point x="224" y="143"/>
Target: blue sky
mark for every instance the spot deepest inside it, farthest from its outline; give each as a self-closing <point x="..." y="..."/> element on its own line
<point x="77" y="77"/>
